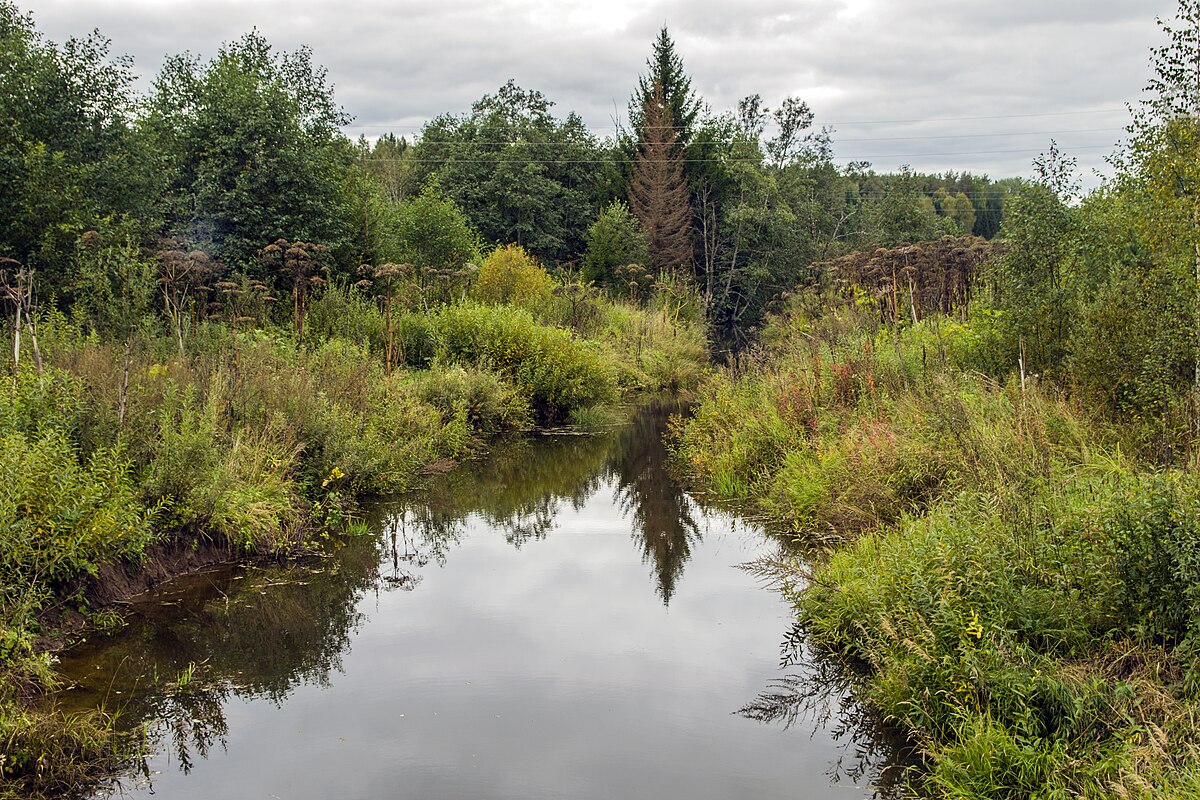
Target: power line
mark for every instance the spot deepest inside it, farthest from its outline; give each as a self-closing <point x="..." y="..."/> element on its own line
<point x="968" y="119"/>
<point x="982" y="135"/>
<point x="518" y="161"/>
<point x="449" y="143"/>
<point x="845" y="122"/>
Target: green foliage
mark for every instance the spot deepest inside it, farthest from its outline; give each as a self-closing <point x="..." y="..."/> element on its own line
<point x="615" y="239"/>
<point x="343" y="312"/>
<point x="511" y="276"/>
<point x="519" y="174"/>
<point x="115" y="284"/>
<point x="1010" y="591"/>
<point x="1033" y="287"/>
<point x="50" y="753"/>
<point x="1154" y="526"/>
<point x="556" y="371"/>
<point x="489" y="403"/>
<point x="62" y="513"/>
<point x="68" y="152"/>
<point x="251" y="150"/>
<point x="905" y="215"/>
<point x="664" y="68"/>
<point x="847" y="434"/>
<point x="999" y="641"/>
<point x="657" y="348"/>
<point x="432" y="233"/>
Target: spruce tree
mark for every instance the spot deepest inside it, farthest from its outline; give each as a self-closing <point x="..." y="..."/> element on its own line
<point x="665" y="70"/>
<point x="658" y="193"/>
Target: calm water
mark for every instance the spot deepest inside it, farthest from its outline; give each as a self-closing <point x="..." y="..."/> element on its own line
<point x="560" y="621"/>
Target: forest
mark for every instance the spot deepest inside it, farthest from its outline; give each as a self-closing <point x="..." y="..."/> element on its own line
<point x="974" y="404"/>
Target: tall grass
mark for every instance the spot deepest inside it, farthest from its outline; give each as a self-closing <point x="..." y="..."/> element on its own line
<point x="253" y="441"/>
<point x="1018" y="649"/>
<point x="1008" y="582"/>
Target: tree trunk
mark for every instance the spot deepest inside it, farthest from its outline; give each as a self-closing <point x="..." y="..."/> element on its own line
<point x="123" y="394"/>
<point x="37" y="351"/>
<point x="17" y="337"/>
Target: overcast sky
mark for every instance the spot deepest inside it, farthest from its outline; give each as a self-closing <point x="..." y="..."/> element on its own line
<point x="945" y="85"/>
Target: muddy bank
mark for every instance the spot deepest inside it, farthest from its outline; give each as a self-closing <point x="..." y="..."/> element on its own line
<point x="115" y="584"/>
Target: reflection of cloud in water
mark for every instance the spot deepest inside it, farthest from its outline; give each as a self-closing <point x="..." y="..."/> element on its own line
<point x="500" y="659"/>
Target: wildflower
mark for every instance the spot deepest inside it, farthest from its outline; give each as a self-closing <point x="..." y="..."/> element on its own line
<point x="974" y="628"/>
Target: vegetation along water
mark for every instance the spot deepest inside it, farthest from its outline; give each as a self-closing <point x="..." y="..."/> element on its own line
<point x="323" y="458"/>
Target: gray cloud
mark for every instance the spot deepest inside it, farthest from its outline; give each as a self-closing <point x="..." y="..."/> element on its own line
<point x="868" y="66"/>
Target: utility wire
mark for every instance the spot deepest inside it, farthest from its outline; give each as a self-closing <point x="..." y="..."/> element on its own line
<point x="450" y="143"/>
<point x="848" y="122"/>
<point x="516" y="161"/>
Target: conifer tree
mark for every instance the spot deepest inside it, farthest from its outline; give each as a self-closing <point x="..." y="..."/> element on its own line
<point x="665" y="71"/>
<point x="658" y="193"/>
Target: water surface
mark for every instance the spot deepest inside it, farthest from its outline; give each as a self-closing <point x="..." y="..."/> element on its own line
<point x="558" y="621"/>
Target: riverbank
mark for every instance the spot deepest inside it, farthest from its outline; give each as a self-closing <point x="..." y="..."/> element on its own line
<point x="1010" y="574"/>
<point x="444" y="645"/>
<point x="253" y="444"/>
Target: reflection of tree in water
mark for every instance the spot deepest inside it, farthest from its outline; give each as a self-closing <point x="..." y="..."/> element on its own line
<point x="233" y="633"/>
<point x="518" y="490"/>
<point x="821" y="694"/>
<point x="414" y="536"/>
<point x="263" y="631"/>
<point x="193" y="719"/>
<point x="663" y="516"/>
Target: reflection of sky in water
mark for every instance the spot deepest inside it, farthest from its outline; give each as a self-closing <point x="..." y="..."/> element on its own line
<point x="549" y="670"/>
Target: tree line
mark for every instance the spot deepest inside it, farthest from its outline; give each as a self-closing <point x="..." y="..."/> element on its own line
<point x="223" y="157"/>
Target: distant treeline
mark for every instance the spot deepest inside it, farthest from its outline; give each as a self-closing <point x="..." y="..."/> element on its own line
<point x="226" y="155"/>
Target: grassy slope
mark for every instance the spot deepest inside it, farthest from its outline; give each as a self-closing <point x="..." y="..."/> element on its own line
<point x="1022" y="592"/>
<point x="261" y="446"/>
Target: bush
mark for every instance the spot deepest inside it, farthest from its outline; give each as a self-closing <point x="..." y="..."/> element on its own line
<point x="1000" y="642"/>
<point x="60" y="516"/>
<point x="417" y="335"/>
<point x="489" y="403"/>
<point x="343" y="312"/>
<point x="1154" y="526"/>
<point x="510" y="276"/>
<point x="30" y="402"/>
<point x="614" y="240"/>
<point x="556" y="371"/>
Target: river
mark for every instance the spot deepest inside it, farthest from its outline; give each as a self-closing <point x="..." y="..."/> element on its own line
<point x="559" y="620"/>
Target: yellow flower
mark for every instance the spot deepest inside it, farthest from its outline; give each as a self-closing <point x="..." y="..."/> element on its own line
<point x="975" y="628"/>
<point x="335" y="474"/>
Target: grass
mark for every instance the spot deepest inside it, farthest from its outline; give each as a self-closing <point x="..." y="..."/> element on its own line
<point x="259" y="444"/>
<point x="49" y="753"/>
<point x="1012" y="583"/>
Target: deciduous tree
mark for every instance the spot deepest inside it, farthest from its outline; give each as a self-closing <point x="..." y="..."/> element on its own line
<point x="251" y="150"/>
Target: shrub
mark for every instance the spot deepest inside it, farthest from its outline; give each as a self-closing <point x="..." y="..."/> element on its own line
<point x="510" y="276"/>
<point x="343" y="312"/>
<point x="30" y="402"/>
<point x="556" y="371"/>
<point x="489" y="402"/>
<point x="417" y="338"/>
<point x="1154" y="526"/>
<point x="1000" y="642"/>
<point x="614" y="239"/>
<point x="61" y="517"/>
